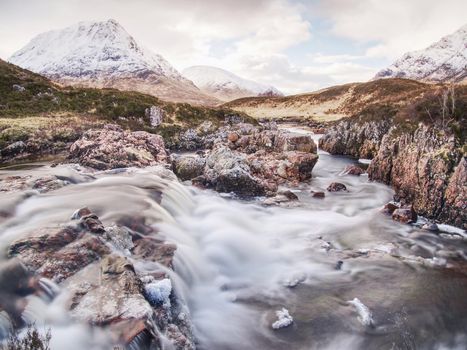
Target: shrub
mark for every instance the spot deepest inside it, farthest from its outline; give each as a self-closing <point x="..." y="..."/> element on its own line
<point x="32" y="340"/>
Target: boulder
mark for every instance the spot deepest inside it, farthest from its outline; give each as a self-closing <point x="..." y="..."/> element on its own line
<point x="58" y="253"/>
<point x="155" y="115"/>
<point x="389" y="208"/>
<point x="317" y="194"/>
<point x="118" y="296"/>
<point x="289" y="141"/>
<point x="282" y="198"/>
<point x="151" y="249"/>
<point x="405" y="215"/>
<point x="233" y="137"/>
<point x="112" y="147"/>
<point x="13" y="149"/>
<point x="187" y="167"/>
<point x="336" y="187"/>
<point x="228" y="171"/>
<point x="431" y="227"/>
<point x="353" y="170"/>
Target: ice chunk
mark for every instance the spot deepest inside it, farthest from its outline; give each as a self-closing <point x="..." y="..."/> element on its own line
<point x="364" y="313"/>
<point x="283" y="319"/>
<point x="158" y="292"/>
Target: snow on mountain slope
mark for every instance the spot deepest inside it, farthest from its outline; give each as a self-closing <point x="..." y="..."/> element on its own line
<point x="103" y="54"/>
<point x="225" y="85"/>
<point x="443" y="61"/>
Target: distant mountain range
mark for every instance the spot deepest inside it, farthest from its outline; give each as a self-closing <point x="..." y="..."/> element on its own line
<point x="443" y="61"/>
<point x="225" y="85"/>
<point x="103" y="54"/>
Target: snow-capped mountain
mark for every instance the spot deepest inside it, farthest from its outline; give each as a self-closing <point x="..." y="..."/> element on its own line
<point x="103" y="54"/>
<point x="225" y="85"/>
<point x="443" y="61"/>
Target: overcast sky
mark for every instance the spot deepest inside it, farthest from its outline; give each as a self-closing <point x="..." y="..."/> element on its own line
<point x="294" y="45"/>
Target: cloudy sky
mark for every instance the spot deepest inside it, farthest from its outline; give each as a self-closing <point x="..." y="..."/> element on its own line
<point x="294" y="45"/>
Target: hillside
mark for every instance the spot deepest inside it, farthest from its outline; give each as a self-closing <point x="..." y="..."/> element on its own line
<point x="43" y="115"/>
<point x="104" y="55"/>
<point x="225" y="85"/>
<point x="332" y="103"/>
<point x="443" y="61"/>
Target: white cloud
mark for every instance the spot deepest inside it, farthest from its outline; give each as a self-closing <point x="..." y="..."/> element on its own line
<point x="261" y="40"/>
<point x="395" y="26"/>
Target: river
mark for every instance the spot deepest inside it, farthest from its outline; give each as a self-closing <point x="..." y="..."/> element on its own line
<point x="350" y="277"/>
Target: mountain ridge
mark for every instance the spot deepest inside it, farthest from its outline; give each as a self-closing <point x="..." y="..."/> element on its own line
<point x="104" y="55"/>
<point x="442" y="61"/>
<point x="225" y="85"/>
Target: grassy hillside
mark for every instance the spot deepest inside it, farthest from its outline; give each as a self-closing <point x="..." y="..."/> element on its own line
<point x="333" y="103"/>
<point x="32" y="107"/>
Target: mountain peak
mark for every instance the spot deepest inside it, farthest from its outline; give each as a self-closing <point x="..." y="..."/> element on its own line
<point x="442" y="61"/>
<point x="226" y="85"/>
<point x="103" y="54"/>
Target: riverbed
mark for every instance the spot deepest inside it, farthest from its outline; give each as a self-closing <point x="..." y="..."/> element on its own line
<point x="349" y="276"/>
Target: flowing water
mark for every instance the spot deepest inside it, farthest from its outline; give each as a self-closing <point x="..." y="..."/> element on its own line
<point x="238" y="262"/>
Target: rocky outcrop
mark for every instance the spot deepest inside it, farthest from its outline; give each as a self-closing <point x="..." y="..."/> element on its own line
<point x="249" y="160"/>
<point x="455" y="196"/>
<point x="112" y="147"/>
<point x="136" y="308"/>
<point x="424" y="164"/>
<point x="228" y="171"/>
<point x="425" y="169"/>
<point x="355" y="138"/>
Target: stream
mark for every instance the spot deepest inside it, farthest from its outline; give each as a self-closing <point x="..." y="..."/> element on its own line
<point x="349" y="276"/>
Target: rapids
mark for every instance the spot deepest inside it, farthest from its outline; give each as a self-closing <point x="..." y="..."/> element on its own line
<point x="350" y="277"/>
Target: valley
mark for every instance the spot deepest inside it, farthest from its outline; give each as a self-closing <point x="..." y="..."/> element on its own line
<point x="144" y="207"/>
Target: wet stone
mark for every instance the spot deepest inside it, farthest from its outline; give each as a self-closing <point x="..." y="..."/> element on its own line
<point x="337" y="187"/>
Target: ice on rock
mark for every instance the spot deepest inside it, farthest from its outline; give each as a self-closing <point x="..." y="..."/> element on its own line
<point x="283" y="319"/>
<point x="364" y="313"/>
<point x="158" y="292"/>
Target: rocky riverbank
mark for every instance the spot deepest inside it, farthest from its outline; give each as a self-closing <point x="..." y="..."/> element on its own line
<point x="95" y="264"/>
<point x="422" y="158"/>
<point x="242" y="158"/>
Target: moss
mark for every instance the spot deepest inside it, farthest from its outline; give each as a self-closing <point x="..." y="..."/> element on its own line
<point x="46" y="112"/>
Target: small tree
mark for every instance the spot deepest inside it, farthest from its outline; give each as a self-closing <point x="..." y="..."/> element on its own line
<point x="447" y="103"/>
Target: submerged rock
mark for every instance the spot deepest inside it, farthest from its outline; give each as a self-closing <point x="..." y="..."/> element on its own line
<point x="336" y="187"/>
<point x="282" y="198"/>
<point x="112" y="147"/>
<point x="389" y="208"/>
<point x="405" y="215"/>
<point x="430" y="226"/>
<point x="354" y="170"/>
<point x="317" y="194"/>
